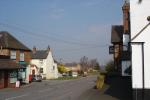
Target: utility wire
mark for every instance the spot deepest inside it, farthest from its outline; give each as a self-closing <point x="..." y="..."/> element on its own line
<point x="49" y="37"/>
<point x="78" y="49"/>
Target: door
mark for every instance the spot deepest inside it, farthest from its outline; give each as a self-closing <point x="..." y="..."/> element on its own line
<point x="5" y="79"/>
<point x="33" y="72"/>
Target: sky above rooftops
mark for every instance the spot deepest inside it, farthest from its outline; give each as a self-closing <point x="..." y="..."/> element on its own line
<point x="72" y="28"/>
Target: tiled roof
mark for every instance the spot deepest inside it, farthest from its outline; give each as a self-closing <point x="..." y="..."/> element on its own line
<point x="8" y="41"/>
<point x="8" y="64"/>
<point x="40" y="54"/>
<point x="116" y="33"/>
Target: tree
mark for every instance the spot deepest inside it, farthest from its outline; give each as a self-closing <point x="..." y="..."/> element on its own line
<point x="109" y="67"/>
<point x="61" y="68"/>
<point x="92" y="63"/>
<point x="84" y="63"/>
<point x="97" y="66"/>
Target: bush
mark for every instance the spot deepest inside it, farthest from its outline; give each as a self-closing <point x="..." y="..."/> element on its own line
<point x="100" y="81"/>
<point x="110" y="69"/>
<point x="61" y="69"/>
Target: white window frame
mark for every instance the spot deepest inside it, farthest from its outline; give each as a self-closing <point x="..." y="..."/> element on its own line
<point x="21" y="56"/>
<point x="13" y="54"/>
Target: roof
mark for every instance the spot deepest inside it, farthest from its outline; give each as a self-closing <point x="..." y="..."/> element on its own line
<point x="9" y="64"/>
<point x="10" y="42"/>
<point x="116" y="33"/>
<point x="71" y="64"/>
<point x="40" y="54"/>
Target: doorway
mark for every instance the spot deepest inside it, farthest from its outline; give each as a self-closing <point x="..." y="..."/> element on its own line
<point x="5" y="79"/>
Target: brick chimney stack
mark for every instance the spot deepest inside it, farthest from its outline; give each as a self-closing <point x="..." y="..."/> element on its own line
<point x="48" y="48"/>
<point x="126" y="16"/>
<point x="34" y="49"/>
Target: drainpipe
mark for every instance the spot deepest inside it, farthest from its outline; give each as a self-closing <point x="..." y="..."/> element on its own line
<point x="143" y="71"/>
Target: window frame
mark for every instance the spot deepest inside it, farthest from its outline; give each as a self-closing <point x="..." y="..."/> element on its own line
<point x="22" y="56"/>
<point x="13" y="55"/>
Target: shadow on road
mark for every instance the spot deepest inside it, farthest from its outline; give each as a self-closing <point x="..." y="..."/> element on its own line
<point x="119" y="87"/>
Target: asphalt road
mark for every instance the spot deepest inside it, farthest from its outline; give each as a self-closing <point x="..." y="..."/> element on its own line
<point x="78" y="89"/>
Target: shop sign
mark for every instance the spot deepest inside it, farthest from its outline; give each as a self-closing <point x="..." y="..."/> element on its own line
<point x="13" y="74"/>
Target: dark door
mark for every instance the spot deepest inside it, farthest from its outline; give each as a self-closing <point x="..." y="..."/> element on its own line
<point x="5" y="79"/>
<point x="33" y="72"/>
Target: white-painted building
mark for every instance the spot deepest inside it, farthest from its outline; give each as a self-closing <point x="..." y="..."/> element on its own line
<point x="42" y="63"/>
<point x="140" y="49"/>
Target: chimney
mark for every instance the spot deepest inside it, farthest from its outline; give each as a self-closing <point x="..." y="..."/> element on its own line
<point x="34" y="49"/>
<point x="48" y="48"/>
<point x="126" y="16"/>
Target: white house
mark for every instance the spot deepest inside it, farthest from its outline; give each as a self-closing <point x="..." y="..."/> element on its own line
<point x="42" y="63"/>
<point x="140" y="43"/>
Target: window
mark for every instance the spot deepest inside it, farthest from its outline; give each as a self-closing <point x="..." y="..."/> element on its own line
<point x="41" y="61"/>
<point x="13" y="54"/>
<point x="21" y="56"/>
<point x="41" y="70"/>
<point x="53" y="67"/>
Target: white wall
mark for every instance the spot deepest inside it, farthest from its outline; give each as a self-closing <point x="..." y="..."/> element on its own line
<point x="50" y="71"/>
<point x="47" y="65"/>
<point x="139" y="13"/>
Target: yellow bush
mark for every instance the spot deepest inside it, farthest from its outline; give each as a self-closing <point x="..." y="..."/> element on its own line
<point x="100" y="81"/>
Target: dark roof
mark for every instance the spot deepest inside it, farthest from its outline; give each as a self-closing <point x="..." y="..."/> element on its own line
<point x="40" y="54"/>
<point x="10" y="42"/>
<point x="9" y="64"/>
<point x="116" y="33"/>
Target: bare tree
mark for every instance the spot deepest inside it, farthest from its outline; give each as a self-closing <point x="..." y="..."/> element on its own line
<point x="84" y="63"/>
<point x="93" y="63"/>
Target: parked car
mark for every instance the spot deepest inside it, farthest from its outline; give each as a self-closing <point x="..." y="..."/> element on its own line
<point x="36" y="78"/>
<point x="65" y="74"/>
<point x="74" y="74"/>
<point x="84" y="74"/>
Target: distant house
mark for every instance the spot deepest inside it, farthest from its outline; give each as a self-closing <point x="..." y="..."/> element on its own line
<point x="120" y="36"/>
<point x="42" y="63"/>
<point x="73" y="68"/>
<point x="14" y="59"/>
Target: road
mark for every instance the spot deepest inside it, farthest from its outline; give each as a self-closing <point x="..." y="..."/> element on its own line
<point x="78" y="89"/>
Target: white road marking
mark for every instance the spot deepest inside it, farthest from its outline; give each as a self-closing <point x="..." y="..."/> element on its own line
<point x="12" y="98"/>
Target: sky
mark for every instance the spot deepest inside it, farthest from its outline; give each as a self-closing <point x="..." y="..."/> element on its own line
<point x="72" y="28"/>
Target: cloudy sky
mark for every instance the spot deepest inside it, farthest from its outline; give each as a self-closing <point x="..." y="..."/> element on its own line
<point x="72" y="28"/>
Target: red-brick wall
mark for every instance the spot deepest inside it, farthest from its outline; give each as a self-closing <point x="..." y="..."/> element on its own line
<point x="126" y="19"/>
<point x="1" y="79"/>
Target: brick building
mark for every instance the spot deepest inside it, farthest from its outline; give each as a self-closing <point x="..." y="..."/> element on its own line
<point x="14" y="58"/>
<point x="120" y="36"/>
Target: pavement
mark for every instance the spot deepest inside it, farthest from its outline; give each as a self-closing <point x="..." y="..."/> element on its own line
<point x="77" y="89"/>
